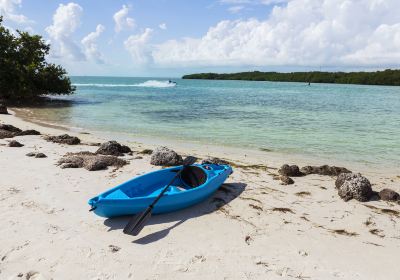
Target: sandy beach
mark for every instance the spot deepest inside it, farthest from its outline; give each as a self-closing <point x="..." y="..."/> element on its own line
<point x="252" y="228"/>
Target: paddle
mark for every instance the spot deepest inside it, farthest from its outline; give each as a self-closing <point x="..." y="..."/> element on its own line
<point x="137" y="222"/>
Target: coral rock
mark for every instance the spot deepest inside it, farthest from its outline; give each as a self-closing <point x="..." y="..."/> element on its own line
<point x="389" y="195"/>
<point x="90" y="161"/>
<point x="290" y="170"/>
<point x="214" y="160"/>
<point x="9" y="127"/>
<point x="40" y="155"/>
<point x="36" y="155"/>
<point x="355" y="186"/>
<point x="324" y="170"/>
<point x="146" y="152"/>
<point x="113" y="148"/>
<point x="162" y="156"/>
<point x="6" y="134"/>
<point x="63" y="139"/>
<point x="344" y="177"/>
<point x="14" y="143"/>
<point x="286" y="180"/>
<point x="29" y="132"/>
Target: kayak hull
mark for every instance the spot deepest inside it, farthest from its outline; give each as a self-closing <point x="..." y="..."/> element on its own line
<point x="137" y="194"/>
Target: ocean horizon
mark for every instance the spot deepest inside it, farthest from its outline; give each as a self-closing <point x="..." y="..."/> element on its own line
<point x="327" y="121"/>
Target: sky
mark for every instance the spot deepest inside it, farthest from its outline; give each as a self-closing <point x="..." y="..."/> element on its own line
<point x="170" y="38"/>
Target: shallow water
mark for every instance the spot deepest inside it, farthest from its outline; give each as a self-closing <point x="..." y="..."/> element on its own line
<point x="351" y="123"/>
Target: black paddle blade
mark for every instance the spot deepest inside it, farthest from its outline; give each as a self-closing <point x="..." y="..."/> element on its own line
<point x="189" y="160"/>
<point x="137" y="222"/>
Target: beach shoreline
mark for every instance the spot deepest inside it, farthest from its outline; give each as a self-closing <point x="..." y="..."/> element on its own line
<point x="245" y="156"/>
<point x="253" y="228"/>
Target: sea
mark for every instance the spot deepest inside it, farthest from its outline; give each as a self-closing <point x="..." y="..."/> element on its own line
<point x="346" y="123"/>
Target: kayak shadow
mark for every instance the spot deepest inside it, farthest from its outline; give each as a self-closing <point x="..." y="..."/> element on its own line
<point x="155" y="236"/>
<point x="223" y="196"/>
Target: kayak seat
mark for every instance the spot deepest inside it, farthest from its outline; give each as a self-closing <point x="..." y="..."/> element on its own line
<point x="193" y="176"/>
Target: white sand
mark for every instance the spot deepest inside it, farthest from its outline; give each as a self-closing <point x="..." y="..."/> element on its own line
<point x="48" y="233"/>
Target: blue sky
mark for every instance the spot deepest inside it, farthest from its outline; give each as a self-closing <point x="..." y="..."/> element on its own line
<point x="174" y="37"/>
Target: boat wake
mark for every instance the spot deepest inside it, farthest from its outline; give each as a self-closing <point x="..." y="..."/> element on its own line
<point x="154" y="83"/>
<point x="149" y="83"/>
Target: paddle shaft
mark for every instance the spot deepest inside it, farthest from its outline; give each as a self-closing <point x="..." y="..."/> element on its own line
<point x="136" y="224"/>
<point x="166" y="187"/>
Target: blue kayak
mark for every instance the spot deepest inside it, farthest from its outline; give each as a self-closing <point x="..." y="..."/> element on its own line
<point x="195" y="184"/>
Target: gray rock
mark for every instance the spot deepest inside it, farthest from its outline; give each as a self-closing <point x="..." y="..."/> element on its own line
<point x="36" y="155"/>
<point x="70" y="165"/>
<point x="95" y="164"/>
<point x="71" y="161"/>
<point x="28" y="132"/>
<point x="11" y="128"/>
<point x="286" y="180"/>
<point x="146" y="152"/>
<point x="63" y="139"/>
<point x="40" y="155"/>
<point x="9" y="131"/>
<point x="162" y="156"/>
<point x="3" y="109"/>
<point x="389" y="195"/>
<point x="214" y="160"/>
<point x="324" y="170"/>
<point x="357" y="187"/>
<point x="125" y="149"/>
<point x="290" y="170"/>
<point x="14" y="143"/>
<point x="6" y="134"/>
<point x="112" y="148"/>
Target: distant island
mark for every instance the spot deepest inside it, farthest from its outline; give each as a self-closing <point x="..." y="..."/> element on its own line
<point x="387" y="77"/>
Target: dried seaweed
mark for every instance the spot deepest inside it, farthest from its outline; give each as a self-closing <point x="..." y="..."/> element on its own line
<point x="343" y="232"/>
<point x="302" y="194"/>
<point x="377" y="232"/>
<point x="283" y="210"/>
<point x="256" y="207"/>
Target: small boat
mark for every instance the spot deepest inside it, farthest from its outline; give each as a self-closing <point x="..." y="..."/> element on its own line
<point x="194" y="184"/>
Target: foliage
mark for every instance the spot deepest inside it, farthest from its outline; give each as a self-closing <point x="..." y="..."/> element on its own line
<point x="24" y="73"/>
<point x="386" y="77"/>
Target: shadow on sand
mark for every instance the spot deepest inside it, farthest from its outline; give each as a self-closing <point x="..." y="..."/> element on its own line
<point x="224" y="195"/>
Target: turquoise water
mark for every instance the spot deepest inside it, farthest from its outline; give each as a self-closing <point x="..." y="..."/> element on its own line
<point x="345" y="122"/>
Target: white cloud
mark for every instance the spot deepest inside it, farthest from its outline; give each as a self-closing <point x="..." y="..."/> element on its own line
<point x="89" y="43"/>
<point x="122" y="21"/>
<point x="163" y="26"/>
<point x="303" y="32"/>
<point x="66" y="20"/>
<point x="139" y="48"/>
<point x="8" y="10"/>
<point x="235" y="9"/>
